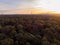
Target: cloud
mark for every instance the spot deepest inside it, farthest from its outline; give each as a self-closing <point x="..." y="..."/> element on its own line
<point x="50" y="5"/>
<point x="15" y="4"/>
<point x="21" y="6"/>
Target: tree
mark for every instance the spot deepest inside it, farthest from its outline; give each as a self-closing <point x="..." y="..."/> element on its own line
<point x="27" y="43"/>
<point x="8" y="41"/>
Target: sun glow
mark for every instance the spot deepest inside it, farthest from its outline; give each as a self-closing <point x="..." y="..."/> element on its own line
<point x="49" y="5"/>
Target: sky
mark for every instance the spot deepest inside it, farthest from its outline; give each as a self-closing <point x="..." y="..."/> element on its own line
<point x="22" y="6"/>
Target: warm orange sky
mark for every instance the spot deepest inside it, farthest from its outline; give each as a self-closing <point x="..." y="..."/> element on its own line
<point x="30" y="11"/>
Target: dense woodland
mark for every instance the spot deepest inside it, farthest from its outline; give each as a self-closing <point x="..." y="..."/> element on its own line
<point x="29" y="30"/>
